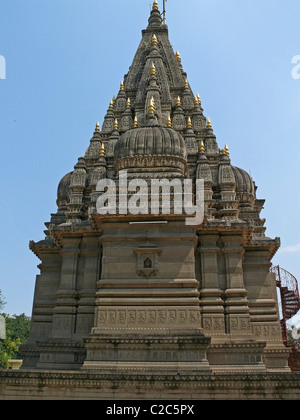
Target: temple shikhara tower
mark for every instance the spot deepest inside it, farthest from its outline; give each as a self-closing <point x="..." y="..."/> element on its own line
<point x="149" y="292"/>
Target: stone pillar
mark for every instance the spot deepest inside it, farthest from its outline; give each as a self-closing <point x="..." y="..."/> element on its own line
<point x="236" y="302"/>
<point x="64" y="318"/>
<point x="90" y="251"/>
<point x="211" y="302"/>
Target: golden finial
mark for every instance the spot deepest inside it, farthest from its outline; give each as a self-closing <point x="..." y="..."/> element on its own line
<point x="198" y="99"/>
<point x="116" y="124"/>
<point x="208" y="123"/>
<point x="189" y="122"/>
<point x="169" y="121"/>
<point x="128" y="103"/>
<point x="122" y="86"/>
<point x="113" y="100"/>
<point x="178" y="102"/>
<point x="154" y="40"/>
<point x="202" y="148"/>
<point x="102" y="150"/>
<point x="135" y="122"/>
<point x="177" y="55"/>
<point x="151" y="109"/>
<point x="226" y="150"/>
<point x="87" y="152"/>
<point x="186" y="83"/>
<point x="196" y="102"/>
<point x="153" y="70"/>
<point x="155" y="5"/>
<point x="111" y="105"/>
<point x="97" y="126"/>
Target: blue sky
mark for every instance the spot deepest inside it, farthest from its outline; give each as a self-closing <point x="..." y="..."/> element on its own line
<point x="64" y="62"/>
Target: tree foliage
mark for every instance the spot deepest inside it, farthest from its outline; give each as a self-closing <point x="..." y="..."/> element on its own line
<point x="17" y="333"/>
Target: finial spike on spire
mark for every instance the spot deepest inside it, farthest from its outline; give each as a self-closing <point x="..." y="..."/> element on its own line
<point x="102" y="150"/>
<point x="122" y="86"/>
<point x="177" y="56"/>
<point x="202" y="147"/>
<point x="153" y="70"/>
<point x="208" y="124"/>
<point x="189" y="122"/>
<point x="128" y="103"/>
<point x="186" y="83"/>
<point x="226" y="149"/>
<point x="135" y="122"/>
<point x="169" y="121"/>
<point x="154" y="40"/>
<point x="155" y="5"/>
<point x="97" y="126"/>
<point x="178" y="102"/>
<point x="116" y="124"/>
<point x="151" y="109"/>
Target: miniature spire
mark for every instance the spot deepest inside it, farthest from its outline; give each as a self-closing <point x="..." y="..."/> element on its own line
<point x="97" y="126"/>
<point x="226" y="150"/>
<point x="155" y="5"/>
<point x="208" y="124"/>
<point x="189" y="123"/>
<point x="135" y="122"/>
<point x="178" y="102"/>
<point x="122" y="86"/>
<point x="111" y="105"/>
<point x="186" y="83"/>
<point x="116" y="124"/>
<point x="198" y="99"/>
<point x="202" y="147"/>
<point x="128" y="103"/>
<point x="154" y="40"/>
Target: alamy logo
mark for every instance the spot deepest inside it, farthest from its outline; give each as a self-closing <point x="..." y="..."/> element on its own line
<point x="2" y="67"/>
<point x="296" y="68"/>
<point x="152" y="197"/>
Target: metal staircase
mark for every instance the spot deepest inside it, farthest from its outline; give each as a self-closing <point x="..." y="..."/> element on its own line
<point x="289" y="305"/>
<point x="289" y="296"/>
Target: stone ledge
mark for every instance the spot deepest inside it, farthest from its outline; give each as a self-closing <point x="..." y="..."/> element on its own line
<point x="95" y="385"/>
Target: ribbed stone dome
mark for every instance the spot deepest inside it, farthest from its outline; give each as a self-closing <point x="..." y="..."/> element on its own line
<point x="244" y="182"/>
<point x="63" y="191"/>
<point x="154" y="147"/>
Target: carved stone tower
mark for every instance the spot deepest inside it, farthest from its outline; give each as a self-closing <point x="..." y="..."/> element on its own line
<point x="147" y="291"/>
